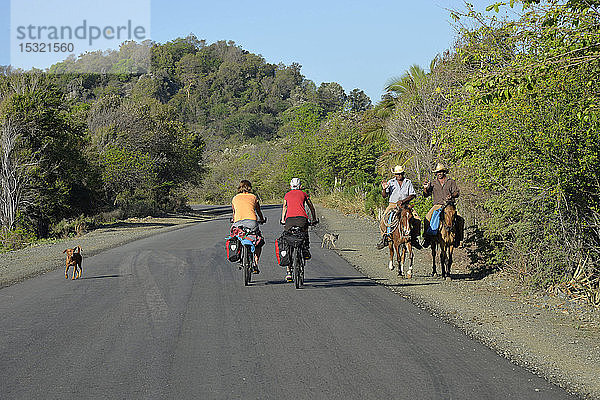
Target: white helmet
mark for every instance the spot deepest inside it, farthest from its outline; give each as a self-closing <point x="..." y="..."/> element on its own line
<point x="295" y="183"/>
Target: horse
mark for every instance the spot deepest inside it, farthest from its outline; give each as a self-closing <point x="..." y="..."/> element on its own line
<point x="401" y="237"/>
<point x="446" y="234"/>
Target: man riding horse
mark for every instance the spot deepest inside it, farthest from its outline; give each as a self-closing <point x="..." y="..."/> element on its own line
<point x="443" y="190"/>
<point x="400" y="191"/>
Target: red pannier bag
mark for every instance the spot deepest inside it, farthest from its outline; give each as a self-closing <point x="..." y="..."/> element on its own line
<point x="282" y="251"/>
<point x="234" y="248"/>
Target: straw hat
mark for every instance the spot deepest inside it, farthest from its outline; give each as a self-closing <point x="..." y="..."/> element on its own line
<point x="440" y="168"/>
<point x="398" y="169"/>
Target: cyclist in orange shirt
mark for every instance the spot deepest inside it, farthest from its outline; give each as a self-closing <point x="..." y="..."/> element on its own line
<point x="247" y="214"/>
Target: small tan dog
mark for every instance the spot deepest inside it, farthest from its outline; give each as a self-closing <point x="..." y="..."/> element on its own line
<point x="329" y="239"/>
<point x="74" y="258"/>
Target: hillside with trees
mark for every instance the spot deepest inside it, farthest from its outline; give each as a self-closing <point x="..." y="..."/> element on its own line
<point x="82" y="147"/>
<point x="513" y="108"/>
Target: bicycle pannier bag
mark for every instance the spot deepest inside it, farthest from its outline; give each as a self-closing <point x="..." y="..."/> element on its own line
<point x="234" y="248"/>
<point x="282" y="251"/>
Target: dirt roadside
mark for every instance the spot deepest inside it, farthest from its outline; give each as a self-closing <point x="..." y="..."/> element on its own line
<point x="551" y="337"/>
<point x="16" y="266"/>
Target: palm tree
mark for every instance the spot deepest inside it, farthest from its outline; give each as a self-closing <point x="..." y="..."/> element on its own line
<point x="396" y="88"/>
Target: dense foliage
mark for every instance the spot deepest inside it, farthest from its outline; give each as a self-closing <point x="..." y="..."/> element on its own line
<point x="144" y="141"/>
<point x="515" y="109"/>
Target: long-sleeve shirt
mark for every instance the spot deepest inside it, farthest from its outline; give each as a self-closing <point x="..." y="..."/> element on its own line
<point x="441" y="192"/>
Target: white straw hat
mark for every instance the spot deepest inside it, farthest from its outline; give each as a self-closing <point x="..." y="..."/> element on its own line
<point x="440" y="168"/>
<point x="398" y="169"/>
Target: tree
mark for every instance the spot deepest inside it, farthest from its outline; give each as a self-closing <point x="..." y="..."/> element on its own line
<point x="529" y="103"/>
<point x="358" y="101"/>
<point x="14" y="173"/>
<point x="45" y="133"/>
<point x="302" y="124"/>
<point x="331" y="96"/>
<point x="414" y="110"/>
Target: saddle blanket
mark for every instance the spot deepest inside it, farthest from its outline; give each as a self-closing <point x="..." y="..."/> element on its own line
<point x="391" y="216"/>
<point x="434" y="224"/>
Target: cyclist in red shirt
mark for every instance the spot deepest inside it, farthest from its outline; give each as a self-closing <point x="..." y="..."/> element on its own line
<point x="294" y="213"/>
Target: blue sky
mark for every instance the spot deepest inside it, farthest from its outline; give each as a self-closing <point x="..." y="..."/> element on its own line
<point x="358" y="44"/>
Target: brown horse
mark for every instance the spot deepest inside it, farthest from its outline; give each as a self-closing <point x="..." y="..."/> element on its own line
<point x="445" y="237"/>
<point x="400" y="238"/>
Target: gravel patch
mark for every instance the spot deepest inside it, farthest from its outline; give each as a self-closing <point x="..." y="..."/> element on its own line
<point x="550" y="336"/>
<point x="18" y="265"/>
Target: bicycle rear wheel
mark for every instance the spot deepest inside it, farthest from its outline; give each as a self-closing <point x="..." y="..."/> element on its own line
<point x="246" y="265"/>
<point x="297" y="259"/>
<point x="302" y="264"/>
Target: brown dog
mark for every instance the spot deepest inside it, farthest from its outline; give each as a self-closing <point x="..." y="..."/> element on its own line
<point x="74" y="258"/>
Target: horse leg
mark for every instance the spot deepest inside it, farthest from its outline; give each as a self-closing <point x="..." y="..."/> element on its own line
<point x="449" y="260"/>
<point x="410" y="257"/>
<point x="443" y="259"/>
<point x="433" y="244"/>
<point x="391" y="263"/>
<point x="401" y="259"/>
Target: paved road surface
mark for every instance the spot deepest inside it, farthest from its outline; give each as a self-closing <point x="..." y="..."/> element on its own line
<point x="169" y="317"/>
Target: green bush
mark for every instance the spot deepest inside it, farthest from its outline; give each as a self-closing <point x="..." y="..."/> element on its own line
<point x="140" y="203"/>
<point x="73" y="226"/>
<point x="15" y="239"/>
<point x="374" y="201"/>
<point x="422" y="205"/>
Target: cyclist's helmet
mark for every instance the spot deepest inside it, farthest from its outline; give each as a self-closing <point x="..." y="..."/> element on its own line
<point x="295" y="183"/>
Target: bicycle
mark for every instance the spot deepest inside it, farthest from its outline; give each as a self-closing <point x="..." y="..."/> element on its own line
<point x="247" y="261"/>
<point x="296" y="239"/>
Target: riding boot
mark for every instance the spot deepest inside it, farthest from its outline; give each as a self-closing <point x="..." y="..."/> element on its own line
<point x="415" y="243"/>
<point x="427" y="241"/>
<point x="383" y="242"/>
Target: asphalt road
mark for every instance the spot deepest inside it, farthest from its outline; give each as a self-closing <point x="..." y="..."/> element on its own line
<point x="169" y="317"/>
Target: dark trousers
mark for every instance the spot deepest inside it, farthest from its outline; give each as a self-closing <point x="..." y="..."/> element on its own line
<point x="301" y="222"/>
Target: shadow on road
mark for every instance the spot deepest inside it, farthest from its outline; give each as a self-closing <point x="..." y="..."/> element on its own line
<point x="103" y="276"/>
<point x="340" y="281"/>
<point x="382" y="281"/>
<point x="329" y="282"/>
<point x="407" y="284"/>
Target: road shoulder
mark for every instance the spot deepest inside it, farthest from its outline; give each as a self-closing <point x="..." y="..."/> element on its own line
<point x="551" y="337"/>
<point x="18" y="265"/>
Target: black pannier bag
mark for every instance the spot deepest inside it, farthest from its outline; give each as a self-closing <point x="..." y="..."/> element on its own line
<point x="282" y="251"/>
<point x="234" y="248"/>
<point x="295" y="239"/>
<point x="298" y="239"/>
